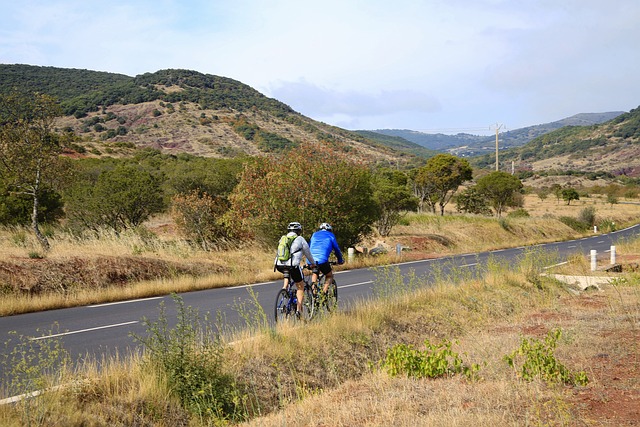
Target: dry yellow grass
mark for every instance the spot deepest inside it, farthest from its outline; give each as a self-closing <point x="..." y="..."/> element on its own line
<point x="601" y="336"/>
<point x="329" y="373"/>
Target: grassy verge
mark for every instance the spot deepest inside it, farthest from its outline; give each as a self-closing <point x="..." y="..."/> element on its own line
<point x="337" y="371"/>
<point x="105" y="267"/>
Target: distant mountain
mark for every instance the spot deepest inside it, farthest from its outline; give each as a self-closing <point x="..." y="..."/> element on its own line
<point x="398" y="143"/>
<point x="182" y="111"/>
<point x="608" y="148"/>
<point x="464" y="144"/>
<point x="432" y="141"/>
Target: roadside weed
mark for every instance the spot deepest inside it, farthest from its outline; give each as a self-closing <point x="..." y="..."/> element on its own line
<point x="536" y="359"/>
<point x="437" y="360"/>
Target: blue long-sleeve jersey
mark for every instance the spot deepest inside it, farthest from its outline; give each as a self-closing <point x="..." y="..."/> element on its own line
<point x="322" y="243"/>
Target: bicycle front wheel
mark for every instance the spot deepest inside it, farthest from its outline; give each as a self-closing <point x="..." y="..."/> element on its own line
<point x="332" y="296"/>
<point x="282" y="309"/>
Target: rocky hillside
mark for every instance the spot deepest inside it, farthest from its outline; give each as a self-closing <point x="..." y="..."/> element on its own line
<point x="181" y="111"/>
<point x="611" y="148"/>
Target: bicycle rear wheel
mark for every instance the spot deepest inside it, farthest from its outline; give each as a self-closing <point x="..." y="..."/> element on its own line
<point x="282" y="309"/>
<point x="331" y="302"/>
<point x="309" y="303"/>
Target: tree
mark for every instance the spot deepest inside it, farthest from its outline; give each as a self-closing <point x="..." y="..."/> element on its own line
<point x="438" y="181"/>
<point x="501" y="189"/>
<point x="311" y="185"/>
<point x="200" y="217"/>
<point x="569" y="194"/>
<point x="30" y="163"/>
<point x="16" y="209"/>
<point x="120" y="198"/>
<point x="423" y="190"/>
<point x="471" y="201"/>
<point x="216" y="177"/>
<point x="543" y="193"/>
<point x="393" y="198"/>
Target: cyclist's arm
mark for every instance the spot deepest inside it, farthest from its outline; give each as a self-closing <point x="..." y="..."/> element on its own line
<point x="307" y="252"/>
<point x="336" y="249"/>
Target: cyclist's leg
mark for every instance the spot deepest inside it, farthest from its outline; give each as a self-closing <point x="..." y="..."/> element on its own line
<point x="285" y="272"/>
<point x="298" y="278"/>
<point x="325" y="268"/>
<point x="314" y="278"/>
<point x="327" y="280"/>
<point x="300" y="295"/>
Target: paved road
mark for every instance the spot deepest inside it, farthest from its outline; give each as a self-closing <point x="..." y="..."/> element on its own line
<point x="105" y="329"/>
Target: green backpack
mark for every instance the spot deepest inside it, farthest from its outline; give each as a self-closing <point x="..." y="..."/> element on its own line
<point x="284" y="247"/>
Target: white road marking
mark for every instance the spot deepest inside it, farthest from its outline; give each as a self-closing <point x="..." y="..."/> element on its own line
<point x="18" y="398"/>
<point x="123" y="302"/>
<point x="556" y="265"/>
<point x="354" y="284"/>
<point x="412" y="262"/>
<point x="469" y="265"/>
<point x="83" y="330"/>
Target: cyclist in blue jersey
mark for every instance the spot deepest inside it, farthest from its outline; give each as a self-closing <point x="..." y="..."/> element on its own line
<point x="322" y="243"/>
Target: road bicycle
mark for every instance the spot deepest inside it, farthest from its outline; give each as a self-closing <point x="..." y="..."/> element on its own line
<point x="328" y="302"/>
<point x="287" y="302"/>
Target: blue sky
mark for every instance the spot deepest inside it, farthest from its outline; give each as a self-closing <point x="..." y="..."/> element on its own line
<point x="434" y="66"/>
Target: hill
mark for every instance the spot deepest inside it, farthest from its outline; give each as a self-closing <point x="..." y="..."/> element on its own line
<point x="398" y="143"/>
<point x="432" y="141"/>
<point x="466" y="145"/>
<point x="178" y="111"/>
<point x="609" y="149"/>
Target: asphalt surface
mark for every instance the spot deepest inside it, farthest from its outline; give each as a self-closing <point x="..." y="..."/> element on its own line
<point x="103" y="330"/>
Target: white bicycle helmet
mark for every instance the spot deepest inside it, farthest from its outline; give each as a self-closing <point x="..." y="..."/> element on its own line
<point x="325" y="226"/>
<point x="295" y="227"/>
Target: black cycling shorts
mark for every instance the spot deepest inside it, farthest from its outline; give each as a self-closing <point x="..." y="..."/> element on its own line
<point x="325" y="267"/>
<point x="294" y="272"/>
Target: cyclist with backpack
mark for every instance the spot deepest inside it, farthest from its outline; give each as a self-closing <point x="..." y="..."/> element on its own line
<point x="291" y="248"/>
<point x="323" y="242"/>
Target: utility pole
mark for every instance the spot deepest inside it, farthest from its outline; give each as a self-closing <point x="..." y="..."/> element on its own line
<point x="498" y="126"/>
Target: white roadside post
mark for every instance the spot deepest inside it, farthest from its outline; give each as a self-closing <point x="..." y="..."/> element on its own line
<point x="613" y="255"/>
<point x="350" y="254"/>
<point x="593" y="259"/>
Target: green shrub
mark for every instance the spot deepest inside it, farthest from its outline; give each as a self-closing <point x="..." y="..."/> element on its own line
<point x="587" y="216"/>
<point x="540" y="362"/>
<point x="518" y="213"/>
<point x="607" y="226"/>
<point x="191" y="358"/>
<point x="574" y="223"/>
<point x="29" y="364"/>
<point x="437" y="360"/>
